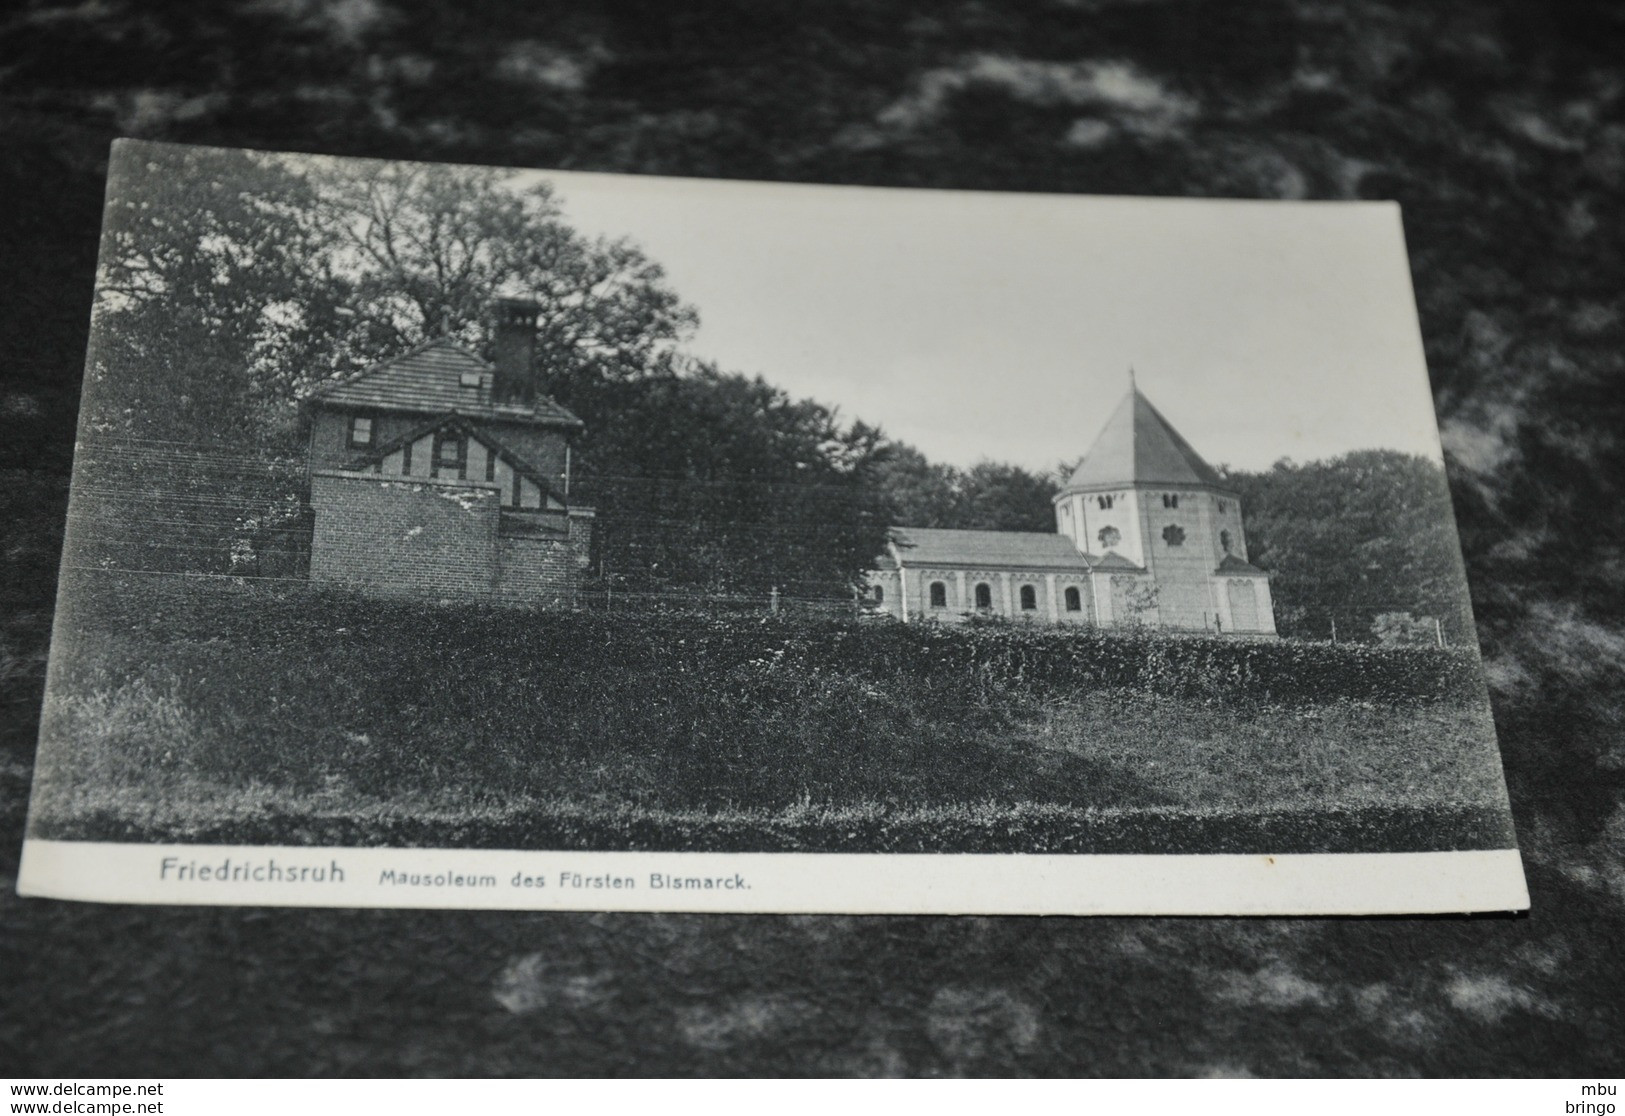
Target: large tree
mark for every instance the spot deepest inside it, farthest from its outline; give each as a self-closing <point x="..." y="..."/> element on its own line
<point x="234" y="281"/>
<point x="200" y="249"/>
<point x="427" y="247"/>
<point x="720" y="483"/>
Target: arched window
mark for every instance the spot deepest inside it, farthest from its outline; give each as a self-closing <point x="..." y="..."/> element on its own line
<point x="939" y="595"/>
<point x="880" y="594"/>
<point x="1173" y="535"/>
<point x="1223" y="507"/>
<point x="1170" y="500"/>
<point x="1224" y="541"/>
<point x="1074" y="601"/>
<point x="1105" y="502"/>
<point x="1109" y="537"/>
<point x="1029" y="598"/>
<point x="984" y="596"/>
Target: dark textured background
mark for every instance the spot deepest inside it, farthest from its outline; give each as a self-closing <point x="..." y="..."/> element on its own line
<point x="1498" y="125"/>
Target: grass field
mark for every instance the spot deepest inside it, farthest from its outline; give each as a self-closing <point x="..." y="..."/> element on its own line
<point x="214" y="711"/>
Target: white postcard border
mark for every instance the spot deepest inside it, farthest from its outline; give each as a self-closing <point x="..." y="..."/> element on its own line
<point x="1458" y="882"/>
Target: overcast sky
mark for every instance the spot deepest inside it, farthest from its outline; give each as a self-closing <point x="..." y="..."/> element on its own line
<point x="1003" y="326"/>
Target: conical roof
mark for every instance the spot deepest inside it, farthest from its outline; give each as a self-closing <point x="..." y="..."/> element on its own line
<point x="1139" y="446"/>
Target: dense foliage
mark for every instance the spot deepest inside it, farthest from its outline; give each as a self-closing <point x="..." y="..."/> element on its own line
<point x="1353" y="538"/>
<point x="988" y="496"/>
<point x="233" y="282"/>
<point x="716" y="483"/>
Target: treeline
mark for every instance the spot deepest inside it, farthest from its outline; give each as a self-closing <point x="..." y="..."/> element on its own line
<point x="1361" y="547"/>
<point x="235" y="282"/>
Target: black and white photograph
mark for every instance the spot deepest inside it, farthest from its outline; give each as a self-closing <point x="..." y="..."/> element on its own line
<point x="432" y="509"/>
<point x="845" y="296"/>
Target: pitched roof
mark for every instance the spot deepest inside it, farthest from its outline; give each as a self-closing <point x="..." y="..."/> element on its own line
<point x="1138" y="445"/>
<point x="1234" y="565"/>
<point x="1111" y="560"/>
<point x="429" y="380"/>
<point x="935" y="546"/>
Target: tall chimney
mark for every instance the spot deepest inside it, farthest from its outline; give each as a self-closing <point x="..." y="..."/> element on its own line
<point x="515" y="351"/>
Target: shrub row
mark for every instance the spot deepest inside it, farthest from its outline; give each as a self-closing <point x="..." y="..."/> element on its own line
<point x="990" y="659"/>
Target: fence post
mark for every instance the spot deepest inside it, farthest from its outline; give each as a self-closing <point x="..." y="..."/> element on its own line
<point x="773" y="600"/>
<point x="1438" y="631"/>
<point x="1334" y="631"/>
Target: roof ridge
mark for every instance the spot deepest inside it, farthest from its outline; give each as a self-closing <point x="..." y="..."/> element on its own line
<point x="377" y="365"/>
<point x="452" y="342"/>
<point x="425" y="379"/>
<point x="977" y="531"/>
<point x="1138" y="444"/>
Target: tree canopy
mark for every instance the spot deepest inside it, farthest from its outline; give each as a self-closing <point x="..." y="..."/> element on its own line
<point x="988" y="496"/>
<point x="1353" y="538"/>
<point x="266" y="274"/>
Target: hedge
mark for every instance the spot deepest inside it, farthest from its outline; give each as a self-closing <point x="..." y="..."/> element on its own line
<point x="991" y="658"/>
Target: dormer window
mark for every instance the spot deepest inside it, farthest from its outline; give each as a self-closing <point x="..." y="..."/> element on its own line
<point x="361" y="431"/>
<point x="469" y="379"/>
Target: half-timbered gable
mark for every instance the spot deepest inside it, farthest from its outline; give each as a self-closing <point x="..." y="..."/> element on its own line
<point x="453" y="447"/>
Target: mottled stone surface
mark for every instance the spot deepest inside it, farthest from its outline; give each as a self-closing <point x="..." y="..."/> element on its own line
<point x="1498" y="125"/>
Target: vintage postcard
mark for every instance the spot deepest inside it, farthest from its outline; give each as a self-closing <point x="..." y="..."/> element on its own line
<point x="452" y="536"/>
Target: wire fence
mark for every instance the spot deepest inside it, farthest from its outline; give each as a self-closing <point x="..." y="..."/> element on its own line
<point x="145" y="506"/>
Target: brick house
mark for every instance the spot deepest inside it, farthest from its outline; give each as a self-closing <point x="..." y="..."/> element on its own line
<point x="436" y="473"/>
<point x="1146" y="534"/>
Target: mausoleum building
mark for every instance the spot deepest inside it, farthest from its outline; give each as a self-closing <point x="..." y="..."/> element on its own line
<point x="1146" y="534"/>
